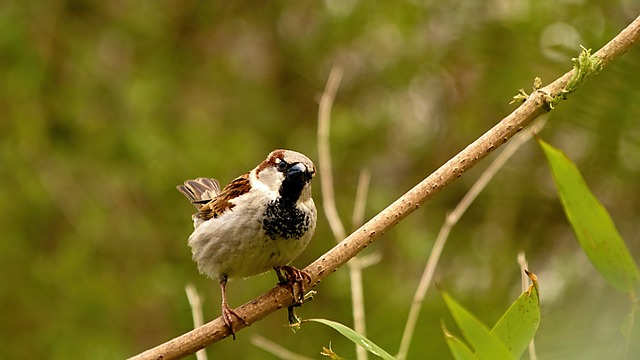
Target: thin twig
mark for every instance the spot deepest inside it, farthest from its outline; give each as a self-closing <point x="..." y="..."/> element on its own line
<point x="355" y="267"/>
<point x="276" y="349"/>
<point x="278" y="297"/>
<point x="324" y="154"/>
<point x="196" y="313"/>
<point x="365" y="261"/>
<point x="361" y="199"/>
<point x="450" y="221"/>
<point x="357" y="305"/>
<point x="525" y="281"/>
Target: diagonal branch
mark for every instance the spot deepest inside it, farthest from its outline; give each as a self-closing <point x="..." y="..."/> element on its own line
<point x="450" y="221"/>
<point x="280" y="297"/>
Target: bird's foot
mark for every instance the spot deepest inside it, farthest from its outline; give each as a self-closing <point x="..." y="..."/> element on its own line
<point x="293" y="278"/>
<point x="227" y="316"/>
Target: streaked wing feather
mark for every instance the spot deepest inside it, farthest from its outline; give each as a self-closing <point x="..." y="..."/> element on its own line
<point x="200" y="191"/>
<point x="222" y="202"/>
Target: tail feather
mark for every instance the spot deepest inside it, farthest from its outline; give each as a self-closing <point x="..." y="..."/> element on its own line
<point x="200" y="191"/>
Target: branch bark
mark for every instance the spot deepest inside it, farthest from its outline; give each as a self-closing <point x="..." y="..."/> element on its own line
<point x="280" y="297"/>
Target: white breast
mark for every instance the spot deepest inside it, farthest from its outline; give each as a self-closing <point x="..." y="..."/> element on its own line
<point x="235" y="244"/>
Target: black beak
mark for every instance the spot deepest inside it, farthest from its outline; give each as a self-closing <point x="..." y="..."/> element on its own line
<point x="296" y="178"/>
<point x="298" y="173"/>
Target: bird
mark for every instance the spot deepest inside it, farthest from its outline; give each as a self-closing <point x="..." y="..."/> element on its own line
<point x="261" y="220"/>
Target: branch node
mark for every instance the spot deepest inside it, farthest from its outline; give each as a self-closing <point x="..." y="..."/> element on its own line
<point x="522" y="95"/>
<point x="585" y="66"/>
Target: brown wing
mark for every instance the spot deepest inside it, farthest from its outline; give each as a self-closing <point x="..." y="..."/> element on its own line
<point x="200" y="191"/>
<point x="221" y="203"/>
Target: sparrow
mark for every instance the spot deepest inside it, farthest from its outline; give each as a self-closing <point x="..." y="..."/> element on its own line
<point x="262" y="220"/>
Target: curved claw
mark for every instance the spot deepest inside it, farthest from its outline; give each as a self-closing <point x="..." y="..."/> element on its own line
<point x="227" y="317"/>
<point x="291" y="276"/>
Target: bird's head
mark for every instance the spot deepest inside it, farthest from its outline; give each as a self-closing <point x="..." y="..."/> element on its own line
<point x="287" y="172"/>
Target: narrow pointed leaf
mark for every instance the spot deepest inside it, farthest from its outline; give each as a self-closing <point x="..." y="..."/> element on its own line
<point x="591" y="223"/>
<point x="458" y="348"/>
<point x="477" y="334"/>
<point x="355" y="337"/>
<point x="519" y="323"/>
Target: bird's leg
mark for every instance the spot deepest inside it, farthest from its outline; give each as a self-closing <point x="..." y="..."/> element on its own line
<point x="227" y="312"/>
<point x="291" y="276"/>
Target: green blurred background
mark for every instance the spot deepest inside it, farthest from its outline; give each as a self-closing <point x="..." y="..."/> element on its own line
<point x="107" y="105"/>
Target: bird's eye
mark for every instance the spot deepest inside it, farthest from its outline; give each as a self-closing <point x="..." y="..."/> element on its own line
<point x="282" y="165"/>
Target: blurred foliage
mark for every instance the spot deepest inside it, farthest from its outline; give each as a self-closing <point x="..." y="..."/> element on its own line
<point x="592" y="225"/>
<point x="107" y="105"/>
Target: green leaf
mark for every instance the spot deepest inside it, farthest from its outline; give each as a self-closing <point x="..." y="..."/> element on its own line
<point x="486" y="345"/>
<point x="459" y="349"/>
<point x="591" y="223"/>
<point x="519" y="323"/>
<point x="355" y="337"/>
